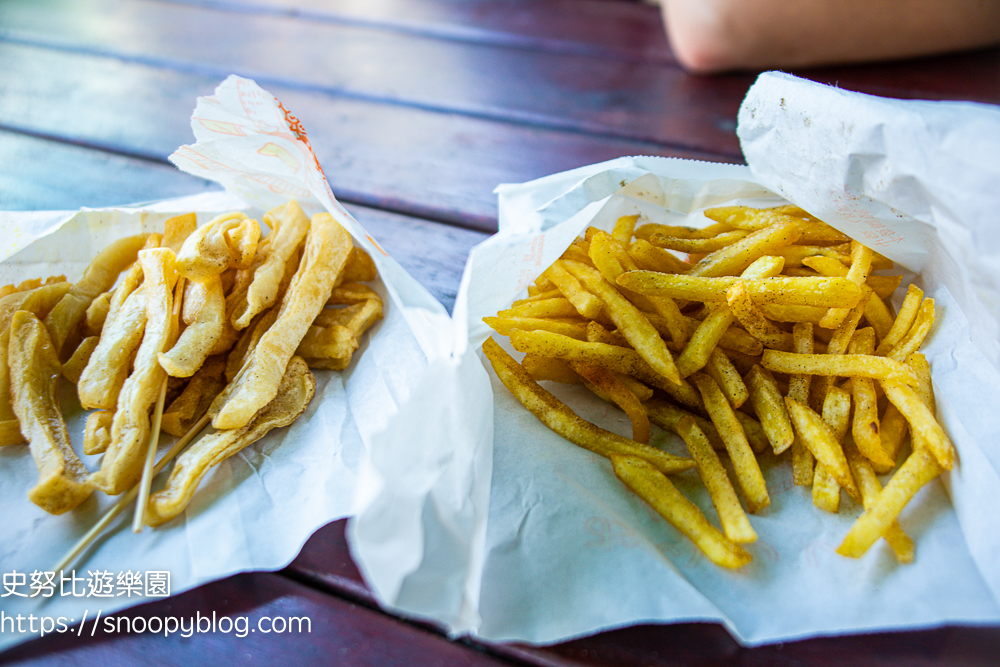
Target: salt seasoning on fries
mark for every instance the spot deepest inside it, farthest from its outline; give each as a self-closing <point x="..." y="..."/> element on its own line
<point x="829" y="380"/>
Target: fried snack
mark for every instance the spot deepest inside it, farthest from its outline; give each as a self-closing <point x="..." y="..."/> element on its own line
<point x="560" y="418"/>
<point x="735" y="523"/>
<point x="870" y="487"/>
<point x="640" y="334"/>
<point x="608" y="386"/>
<point x="820" y="440"/>
<point x="122" y="462"/>
<point x="98" y="278"/>
<point x="97" y="313"/>
<point x="228" y="240"/>
<point x="72" y="369"/>
<point x="769" y="405"/>
<point x="295" y="391"/>
<point x="924" y="428"/>
<point x="97" y="432"/>
<point x="35" y="369"/>
<point x="837" y="415"/>
<point x="918" y="469"/>
<point x="328" y="245"/>
<point x="795" y="291"/>
<point x="586" y="304"/>
<point x="865" y="425"/>
<point x="289" y="226"/>
<point x="107" y="368"/>
<point x="842" y="365"/>
<point x="204" y="314"/>
<point x="656" y="489"/>
<point x="39" y="300"/>
<point x="194" y="401"/>
<point x="748" y="472"/>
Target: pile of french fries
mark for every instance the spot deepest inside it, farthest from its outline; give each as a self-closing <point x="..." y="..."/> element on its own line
<point x="170" y="331"/>
<point x="773" y="336"/>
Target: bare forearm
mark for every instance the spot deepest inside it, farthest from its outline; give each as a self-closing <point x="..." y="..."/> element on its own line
<point x="718" y="35"/>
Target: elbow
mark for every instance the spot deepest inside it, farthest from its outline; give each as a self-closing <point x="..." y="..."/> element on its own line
<point x="703" y="42"/>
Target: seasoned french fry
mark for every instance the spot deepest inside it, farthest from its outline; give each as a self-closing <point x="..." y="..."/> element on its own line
<point x="915" y="336"/>
<point x="754" y="321"/>
<point x="653" y="486"/>
<point x="870" y="488"/>
<point x="735" y="523"/>
<point x="865" y="425"/>
<point x="904" y="319"/>
<point x="923" y="426"/>
<point x="769" y="405"/>
<point x="828" y="292"/>
<point x="747" y="469"/>
<point x="586" y="304"/>
<point x="842" y="365"/>
<point x="918" y="469"/>
<point x="818" y="437"/>
<point x="560" y="418"/>
<point x="604" y="383"/>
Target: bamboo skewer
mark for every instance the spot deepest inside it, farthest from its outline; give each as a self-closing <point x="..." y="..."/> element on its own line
<point x="147" y="469"/>
<point x="127" y="498"/>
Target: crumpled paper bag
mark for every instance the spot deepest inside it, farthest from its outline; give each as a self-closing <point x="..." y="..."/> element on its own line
<point x="568" y="551"/>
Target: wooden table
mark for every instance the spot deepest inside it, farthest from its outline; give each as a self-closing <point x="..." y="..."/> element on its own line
<point x="417" y="109"/>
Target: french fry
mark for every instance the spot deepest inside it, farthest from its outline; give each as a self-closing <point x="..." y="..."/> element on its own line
<point x="818" y="437"/>
<point x="923" y="426"/>
<point x="870" y="487"/>
<point x="840" y="365"/>
<point x="560" y="418"/>
<point x="747" y="469"/>
<point x="865" y="425"/>
<point x="653" y="486"/>
<point x="916" y="471"/>
<point x="605" y="384"/>
<point x="586" y="304"/>
<point x="827" y="292"/>
<point x="904" y="319"/>
<point x="769" y="405"/>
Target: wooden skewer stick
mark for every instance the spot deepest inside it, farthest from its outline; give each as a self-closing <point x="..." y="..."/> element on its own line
<point x="127" y="498"/>
<point x="154" y="437"/>
<point x="147" y="470"/>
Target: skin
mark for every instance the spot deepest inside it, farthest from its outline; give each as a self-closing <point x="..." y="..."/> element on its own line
<point x="710" y="36"/>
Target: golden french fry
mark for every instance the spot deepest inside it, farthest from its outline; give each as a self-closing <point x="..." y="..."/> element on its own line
<point x="651" y="258"/>
<point x="754" y="321"/>
<point x="34" y="370"/>
<point x="839" y="365"/>
<point x="829" y="292"/>
<point x="915" y="336"/>
<point x="668" y="416"/>
<point x="121" y="466"/>
<point x="916" y="471"/>
<point x="769" y="405"/>
<point x="624" y="228"/>
<point x="328" y="246"/>
<point x="818" y="437"/>
<point x="870" y="488"/>
<point x="727" y="377"/>
<point x="653" y="486"/>
<point x="560" y="418"/>
<point x="735" y="522"/>
<point x="503" y="325"/>
<point x="614" y="358"/>
<point x="296" y="389"/>
<point x="904" y="319"/>
<point x="865" y="426"/>
<point x="861" y="261"/>
<point x="747" y="469"/>
<point x="547" y="368"/>
<point x="586" y="304"/>
<point x="203" y="331"/>
<point x="693" y="245"/>
<point x="736" y="257"/>
<point x="558" y="307"/>
<point x="924" y="428"/>
<point x="605" y="384"/>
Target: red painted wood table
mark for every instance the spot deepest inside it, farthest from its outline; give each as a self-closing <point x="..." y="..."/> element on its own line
<point x="416" y="109"/>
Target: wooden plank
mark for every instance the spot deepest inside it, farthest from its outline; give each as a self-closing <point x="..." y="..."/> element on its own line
<point x="623" y="30"/>
<point x="584" y="93"/>
<point x="339" y="632"/>
<point x="41" y="175"/>
<point x="418" y="162"/>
